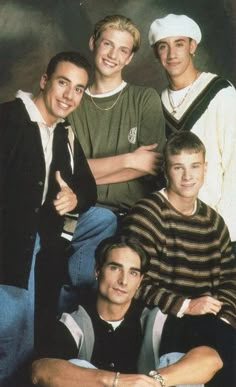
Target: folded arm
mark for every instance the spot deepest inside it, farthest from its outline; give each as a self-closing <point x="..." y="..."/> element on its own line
<point x="128" y="166"/>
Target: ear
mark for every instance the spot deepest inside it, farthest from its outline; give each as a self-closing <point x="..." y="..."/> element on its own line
<point x="205" y="168"/>
<point x="193" y="46"/>
<point x="43" y="81"/>
<point x="141" y="277"/>
<point x="91" y="43"/>
<point x="96" y="272"/>
<point x="165" y="172"/>
<point x="155" y="50"/>
<point x="129" y="58"/>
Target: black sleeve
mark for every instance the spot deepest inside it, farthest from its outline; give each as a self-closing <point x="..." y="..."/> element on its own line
<point x="62" y="344"/>
<point x="84" y="184"/>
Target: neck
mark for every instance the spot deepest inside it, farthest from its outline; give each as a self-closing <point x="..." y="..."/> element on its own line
<point x="110" y="311"/>
<point x="104" y="84"/>
<point x="39" y="102"/>
<point x="181" y="81"/>
<point x="181" y="204"/>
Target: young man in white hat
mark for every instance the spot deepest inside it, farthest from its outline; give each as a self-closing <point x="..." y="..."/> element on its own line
<point x="203" y="103"/>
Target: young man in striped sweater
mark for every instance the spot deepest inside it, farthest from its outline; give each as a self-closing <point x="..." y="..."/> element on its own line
<point x="192" y="276"/>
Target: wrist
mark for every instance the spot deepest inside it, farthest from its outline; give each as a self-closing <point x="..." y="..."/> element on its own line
<point x="184" y="308"/>
<point x="129" y="160"/>
<point x="158" y="377"/>
<point x="116" y="380"/>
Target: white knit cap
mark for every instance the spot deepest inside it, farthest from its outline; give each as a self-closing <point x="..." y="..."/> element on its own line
<point x="174" y="25"/>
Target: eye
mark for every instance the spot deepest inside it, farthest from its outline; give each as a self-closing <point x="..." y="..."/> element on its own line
<point x="125" y="51"/>
<point x="113" y="267"/>
<point x="177" y="168"/>
<point x="134" y="273"/>
<point x="62" y="82"/>
<point x="162" y="46"/>
<point x="79" y="90"/>
<point x="179" y="44"/>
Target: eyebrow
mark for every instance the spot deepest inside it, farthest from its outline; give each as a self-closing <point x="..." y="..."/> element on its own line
<point x="111" y="41"/>
<point x="68" y="80"/>
<point x="182" y="164"/>
<point x="175" y="41"/>
<point x="120" y="265"/>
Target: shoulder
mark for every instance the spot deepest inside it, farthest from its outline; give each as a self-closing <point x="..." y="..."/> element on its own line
<point x="223" y="87"/>
<point x="142" y="91"/>
<point x="152" y="200"/>
<point x="210" y="215"/>
<point x="12" y="106"/>
<point x="147" y="209"/>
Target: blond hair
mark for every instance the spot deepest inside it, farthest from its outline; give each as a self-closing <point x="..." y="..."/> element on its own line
<point x="118" y="22"/>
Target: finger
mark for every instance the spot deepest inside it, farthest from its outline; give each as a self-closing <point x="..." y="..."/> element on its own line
<point x="65" y="192"/>
<point x="216" y="302"/>
<point x="150" y="147"/>
<point x="63" y="207"/>
<point x="60" y="181"/>
<point x="63" y="199"/>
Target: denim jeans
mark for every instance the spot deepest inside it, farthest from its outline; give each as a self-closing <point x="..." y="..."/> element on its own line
<point x="171" y="358"/>
<point x="92" y="227"/>
<point x="16" y="329"/>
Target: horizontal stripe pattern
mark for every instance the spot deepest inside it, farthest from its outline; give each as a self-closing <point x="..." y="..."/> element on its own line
<point x="190" y="255"/>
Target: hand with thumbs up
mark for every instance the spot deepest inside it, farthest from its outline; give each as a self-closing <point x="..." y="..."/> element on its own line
<point x="66" y="199"/>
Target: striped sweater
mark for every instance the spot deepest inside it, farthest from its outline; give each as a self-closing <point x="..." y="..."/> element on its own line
<point x="190" y="255"/>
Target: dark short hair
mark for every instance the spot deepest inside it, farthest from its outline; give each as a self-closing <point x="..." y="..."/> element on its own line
<point x="119" y="241"/>
<point x="121" y="23"/>
<point x="68" y="56"/>
<point x="180" y="141"/>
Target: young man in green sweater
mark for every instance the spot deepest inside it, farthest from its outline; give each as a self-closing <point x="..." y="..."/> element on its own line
<point x="121" y="129"/>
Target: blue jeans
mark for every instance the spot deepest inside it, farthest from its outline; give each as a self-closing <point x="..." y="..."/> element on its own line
<point x="171" y="358"/>
<point x="92" y="227"/>
<point x="16" y="328"/>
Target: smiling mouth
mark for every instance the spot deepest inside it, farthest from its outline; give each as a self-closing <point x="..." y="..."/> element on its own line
<point x="172" y="64"/>
<point x="108" y="63"/>
<point x="63" y="105"/>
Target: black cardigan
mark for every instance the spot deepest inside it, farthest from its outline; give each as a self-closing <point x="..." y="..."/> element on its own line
<point x="22" y="176"/>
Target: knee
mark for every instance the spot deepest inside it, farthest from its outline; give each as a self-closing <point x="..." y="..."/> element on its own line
<point x="107" y="217"/>
<point x="13" y="310"/>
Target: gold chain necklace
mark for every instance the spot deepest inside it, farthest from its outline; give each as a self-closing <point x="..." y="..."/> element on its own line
<point x="175" y="107"/>
<point x="110" y="107"/>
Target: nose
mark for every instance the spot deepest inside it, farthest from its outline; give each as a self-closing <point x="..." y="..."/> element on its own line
<point x="112" y="53"/>
<point x="123" y="278"/>
<point x="68" y="92"/>
<point x="171" y="52"/>
<point x="186" y="175"/>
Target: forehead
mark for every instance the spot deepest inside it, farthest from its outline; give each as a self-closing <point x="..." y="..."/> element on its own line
<point x="120" y="37"/>
<point x="70" y="71"/>
<point x="186" y="157"/>
<point x="124" y="256"/>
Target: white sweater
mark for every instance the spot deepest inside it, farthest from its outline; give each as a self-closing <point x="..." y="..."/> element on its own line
<point x="217" y="129"/>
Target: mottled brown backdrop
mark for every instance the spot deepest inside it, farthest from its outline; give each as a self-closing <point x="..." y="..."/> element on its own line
<point x="31" y="31"/>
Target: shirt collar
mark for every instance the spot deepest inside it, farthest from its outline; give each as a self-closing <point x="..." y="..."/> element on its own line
<point x="33" y="111"/>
